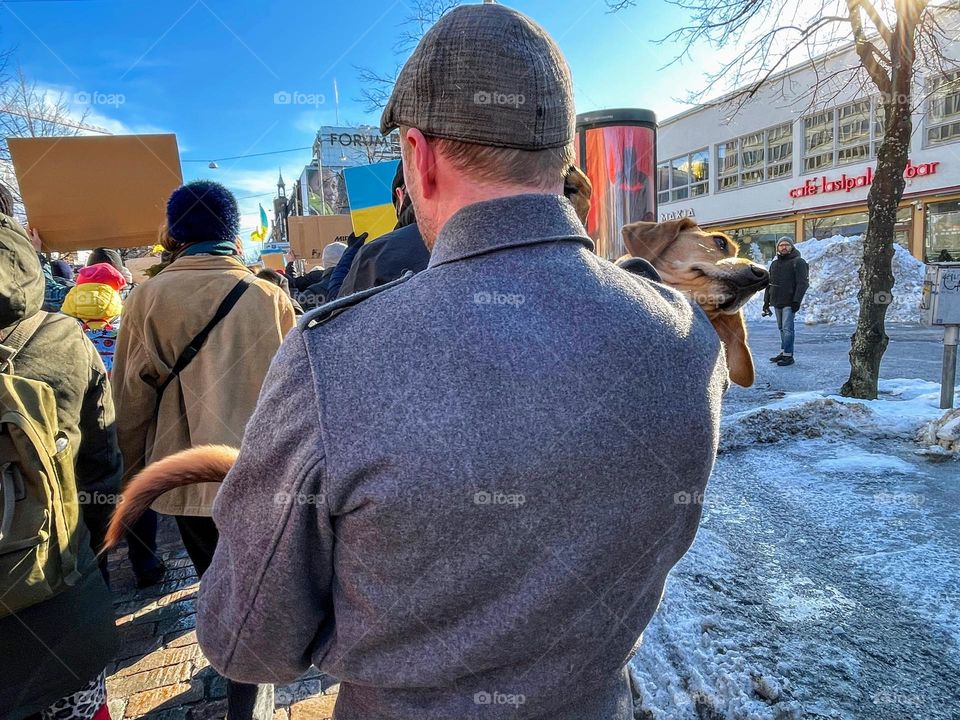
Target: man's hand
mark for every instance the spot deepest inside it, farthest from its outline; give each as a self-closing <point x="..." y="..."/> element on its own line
<point x="796" y="307"/>
<point x="35" y="239"/>
<point x="766" y="311"/>
<point x="355" y="239"/>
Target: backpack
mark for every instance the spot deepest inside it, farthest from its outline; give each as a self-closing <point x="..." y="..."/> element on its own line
<point x="39" y="506"/>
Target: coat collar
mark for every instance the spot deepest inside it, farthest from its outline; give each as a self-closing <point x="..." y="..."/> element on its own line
<point x="206" y="262"/>
<point x="507" y="222"/>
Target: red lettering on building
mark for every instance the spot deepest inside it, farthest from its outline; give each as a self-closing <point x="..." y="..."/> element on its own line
<point x="846" y="183"/>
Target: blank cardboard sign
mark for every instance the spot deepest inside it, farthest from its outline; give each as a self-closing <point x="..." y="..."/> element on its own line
<point x="310" y="234"/>
<point x="82" y="193"/>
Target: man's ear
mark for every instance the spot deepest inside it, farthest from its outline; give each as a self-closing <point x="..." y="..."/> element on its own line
<point x="733" y="334"/>
<point x="423" y="158"/>
<point x="648" y="240"/>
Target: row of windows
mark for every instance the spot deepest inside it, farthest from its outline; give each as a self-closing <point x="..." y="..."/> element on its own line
<point x="847" y="134"/>
<point x="941" y="232"/>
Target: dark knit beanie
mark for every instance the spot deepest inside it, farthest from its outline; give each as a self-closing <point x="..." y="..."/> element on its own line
<point x="105" y="255"/>
<point x="61" y="269"/>
<point x="202" y="211"/>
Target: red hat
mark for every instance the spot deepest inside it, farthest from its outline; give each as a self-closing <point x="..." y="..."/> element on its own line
<point x="104" y="273"/>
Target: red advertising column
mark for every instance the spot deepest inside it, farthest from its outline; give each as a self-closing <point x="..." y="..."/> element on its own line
<point x="617" y="149"/>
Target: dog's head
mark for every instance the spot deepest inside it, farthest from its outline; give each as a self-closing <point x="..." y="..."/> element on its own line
<point x="705" y="266"/>
<point x="578" y="189"/>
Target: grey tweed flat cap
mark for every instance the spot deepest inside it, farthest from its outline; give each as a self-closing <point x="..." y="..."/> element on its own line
<point x="489" y="75"/>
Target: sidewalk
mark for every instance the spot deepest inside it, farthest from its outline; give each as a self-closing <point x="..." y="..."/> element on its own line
<point x="159" y="672"/>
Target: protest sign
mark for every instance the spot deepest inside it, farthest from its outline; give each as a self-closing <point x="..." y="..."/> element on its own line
<point x="86" y="192"/>
<point x="310" y="234"/>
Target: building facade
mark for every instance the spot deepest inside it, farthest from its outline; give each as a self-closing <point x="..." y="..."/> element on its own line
<point x="320" y="189"/>
<point x="780" y="165"/>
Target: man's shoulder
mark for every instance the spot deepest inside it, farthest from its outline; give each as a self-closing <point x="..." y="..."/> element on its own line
<point x="328" y="311"/>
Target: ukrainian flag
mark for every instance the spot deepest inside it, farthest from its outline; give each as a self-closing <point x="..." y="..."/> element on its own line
<point x="260" y="234"/>
<point x="369" y="193"/>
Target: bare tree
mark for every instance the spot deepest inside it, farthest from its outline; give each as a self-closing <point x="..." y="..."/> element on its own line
<point x="29" y="110"/>
<point x="377" y="84"/>
<point x="892" y="40"/>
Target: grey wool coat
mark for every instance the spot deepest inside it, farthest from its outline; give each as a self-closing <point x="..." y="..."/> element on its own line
<point x="476" y="518"/>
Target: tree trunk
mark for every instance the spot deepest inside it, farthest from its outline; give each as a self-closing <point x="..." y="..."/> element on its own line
<point x="869" y="340"/>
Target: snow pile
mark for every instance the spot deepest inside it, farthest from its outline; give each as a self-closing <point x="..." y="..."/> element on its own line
<point x="942" y="436"/>
<point x="901" y="408"/>
<point x="690" y="665"/>
<point x="834" y="283"/>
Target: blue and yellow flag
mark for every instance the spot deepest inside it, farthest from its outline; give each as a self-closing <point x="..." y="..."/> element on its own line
<point x="260" y="234"/>
<point x="369" y="189"/>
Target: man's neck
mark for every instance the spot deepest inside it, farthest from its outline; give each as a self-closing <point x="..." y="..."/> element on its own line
<point x="469" y="194"/>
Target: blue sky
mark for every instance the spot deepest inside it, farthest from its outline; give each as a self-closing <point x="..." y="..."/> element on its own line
<point x="208" y="70"/>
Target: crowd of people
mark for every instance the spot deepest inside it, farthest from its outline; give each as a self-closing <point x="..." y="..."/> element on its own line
<point x="393" y="422"/>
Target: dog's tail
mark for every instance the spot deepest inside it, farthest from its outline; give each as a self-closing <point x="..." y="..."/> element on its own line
<point x="207" y="463"/>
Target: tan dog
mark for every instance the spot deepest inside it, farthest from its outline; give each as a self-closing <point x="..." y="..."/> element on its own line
<point x="578" y="189"/>
<point x="705" y="266"/>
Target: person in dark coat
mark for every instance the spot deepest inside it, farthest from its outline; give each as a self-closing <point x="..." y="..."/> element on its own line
<point x="53" y="650"/>
<point x="789" y="279"/>
<point x="389" y="256"/>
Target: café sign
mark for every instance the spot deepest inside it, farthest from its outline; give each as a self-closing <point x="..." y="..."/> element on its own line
<point x="846" y="183"/>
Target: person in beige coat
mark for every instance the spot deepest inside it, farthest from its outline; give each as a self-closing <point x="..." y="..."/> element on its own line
<point x="209" y="401"/>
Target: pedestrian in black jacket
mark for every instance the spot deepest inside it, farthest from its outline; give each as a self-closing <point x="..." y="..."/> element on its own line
<point x="789" y="280"/>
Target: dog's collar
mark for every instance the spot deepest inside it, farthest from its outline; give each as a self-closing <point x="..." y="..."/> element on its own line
<point x="507" y="222"/>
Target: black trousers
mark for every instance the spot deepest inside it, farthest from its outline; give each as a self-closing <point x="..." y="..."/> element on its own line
<point x="244" y="701"/>
<point x="142" y="543"/>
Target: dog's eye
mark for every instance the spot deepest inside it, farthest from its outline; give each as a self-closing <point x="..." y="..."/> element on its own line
<point x="720" y="242"/>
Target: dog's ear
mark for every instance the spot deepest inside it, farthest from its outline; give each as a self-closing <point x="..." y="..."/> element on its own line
<point x="578" y="190"/>
<point x="648" y="240"/>
<point x="733" y="334"/>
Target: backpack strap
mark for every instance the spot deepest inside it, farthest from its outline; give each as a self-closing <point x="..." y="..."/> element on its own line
<point x="191" y="351"/>
<point x="13" y="343"/>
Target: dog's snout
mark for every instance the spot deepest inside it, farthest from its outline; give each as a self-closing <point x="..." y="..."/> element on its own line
<point x="759" y="272"/>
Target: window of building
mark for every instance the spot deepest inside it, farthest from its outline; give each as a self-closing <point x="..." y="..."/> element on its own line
<point x="759" y="243"/>
<point x="755" y="158"/>
<point x="942" y="232"/>
<point x="943" y="109"/>
<point x="683" y="177"/>
<point x="852" y="224"/>
<point x="843" y="135"/>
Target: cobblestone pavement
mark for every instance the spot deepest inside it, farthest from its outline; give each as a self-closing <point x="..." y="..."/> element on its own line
<point x="160" y="672"/>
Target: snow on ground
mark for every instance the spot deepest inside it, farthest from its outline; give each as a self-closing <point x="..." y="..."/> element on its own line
<point x="824" y="581"/>
<point x="942" y="436"/>
<point x="903" y="407"/>
<point x="832" y="297"/>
